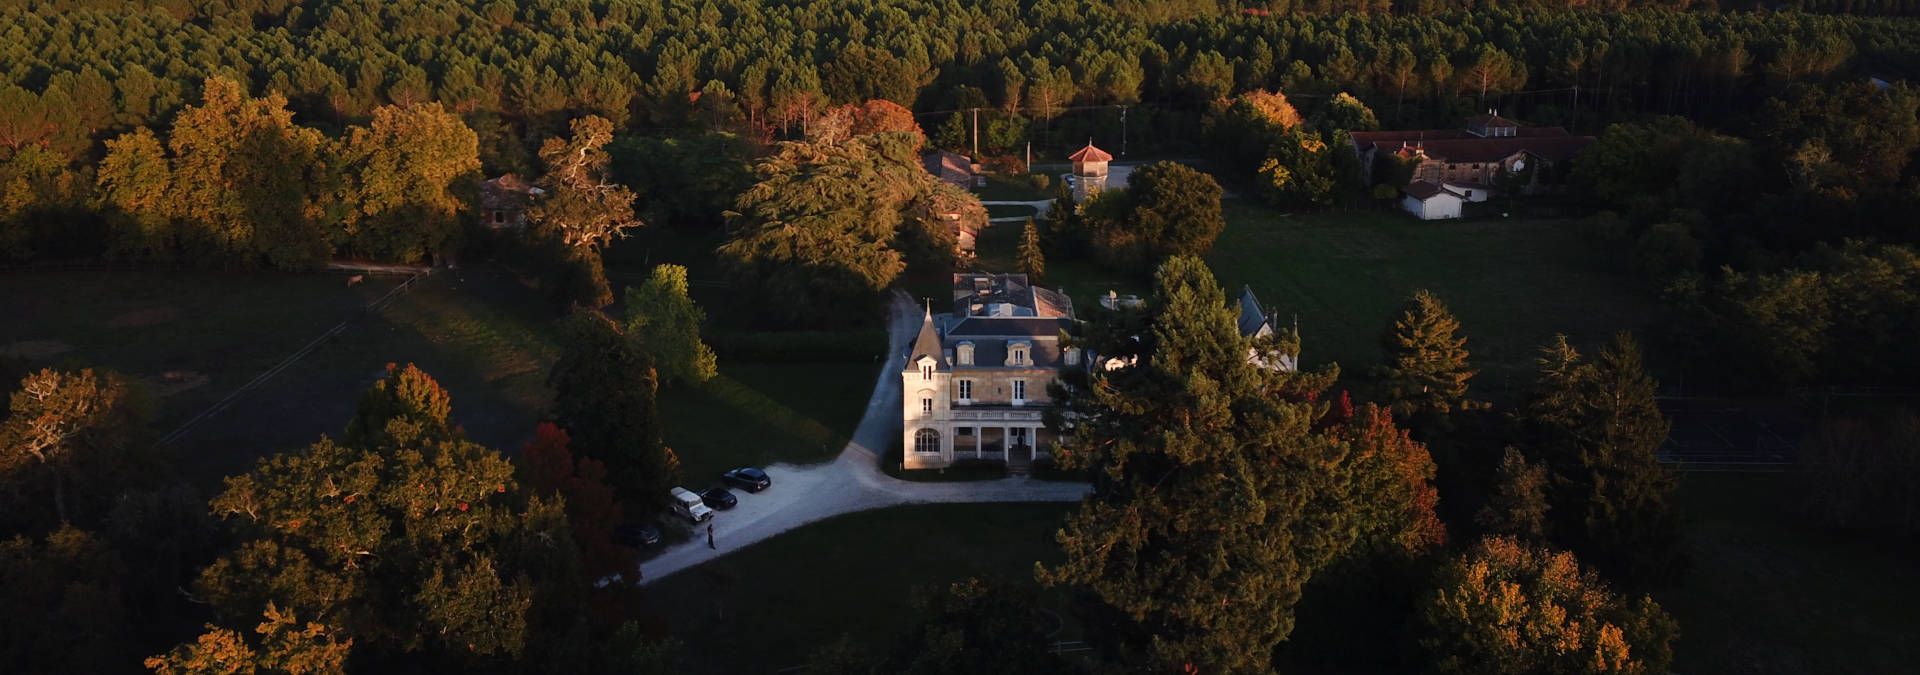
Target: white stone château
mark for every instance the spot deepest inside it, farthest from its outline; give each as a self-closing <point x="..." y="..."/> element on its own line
<point x="975" y="382"/>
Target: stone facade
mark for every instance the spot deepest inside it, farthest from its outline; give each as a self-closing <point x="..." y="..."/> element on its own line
<point x="975" y="382"/>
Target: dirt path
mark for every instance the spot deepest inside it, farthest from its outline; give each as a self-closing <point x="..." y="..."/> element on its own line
<point x="803" y="494"/>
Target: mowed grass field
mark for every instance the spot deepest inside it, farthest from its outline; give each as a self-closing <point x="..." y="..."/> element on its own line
<point x="1512" y="283"/>
<point x="1344" y="276"/>
<point x="490" y="340"/>
<point x="1769" y="592"/>
<point x="768" y="607"/>
<point x="193" y="336"/>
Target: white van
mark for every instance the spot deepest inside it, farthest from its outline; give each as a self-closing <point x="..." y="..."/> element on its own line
<point x="689" y="505"/>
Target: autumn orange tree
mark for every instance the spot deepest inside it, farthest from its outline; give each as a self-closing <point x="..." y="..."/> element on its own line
<point x="414" y="543"/>
<point x="1507" y="607"/>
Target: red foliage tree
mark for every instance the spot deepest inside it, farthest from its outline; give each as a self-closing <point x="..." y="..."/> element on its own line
<point x="592" y="510"/>
<point x="881" y="115"/>
<point x="1399" y="488"/>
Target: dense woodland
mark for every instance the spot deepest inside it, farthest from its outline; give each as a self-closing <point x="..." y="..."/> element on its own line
<point x="1750" y="169"/>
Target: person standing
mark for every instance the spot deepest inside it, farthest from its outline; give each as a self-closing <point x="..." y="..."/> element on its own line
<point x="710" y="537"/>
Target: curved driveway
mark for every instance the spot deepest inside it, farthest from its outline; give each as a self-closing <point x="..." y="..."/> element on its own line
<point x="852" y="482"/>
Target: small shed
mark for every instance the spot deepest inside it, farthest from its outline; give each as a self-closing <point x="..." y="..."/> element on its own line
<point x="1428" y="201"/>
<point x="504" y="201"/>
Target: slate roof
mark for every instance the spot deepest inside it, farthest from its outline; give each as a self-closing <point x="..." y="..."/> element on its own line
<point x="976" y="294"/>
<point x="927" y="343"/>
<point x="993" y="354"/>
<point x="1252" y="317"/>
<point x="1009" y="327"/>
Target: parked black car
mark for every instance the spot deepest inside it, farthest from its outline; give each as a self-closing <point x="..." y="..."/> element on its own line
<point x="718" y="498"/>
<point x="748" y="478"/>
<point x="636" y="535"/>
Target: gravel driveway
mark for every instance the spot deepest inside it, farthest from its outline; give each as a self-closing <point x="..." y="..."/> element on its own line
<point x="852" y="482"/>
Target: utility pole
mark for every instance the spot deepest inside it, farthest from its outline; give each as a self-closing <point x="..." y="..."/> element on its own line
<point x="1574" y="122"/>
<point x="976" y="132"/>
<point x="1123" y="131"/>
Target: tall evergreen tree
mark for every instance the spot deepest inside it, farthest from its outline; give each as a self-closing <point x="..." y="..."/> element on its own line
<point x="1175" y="579"/>
<point x="1426" y="372"/>
<point x="1033" y="261"/>
<point x="1518" y="507"/>
<point x="1599" y="431"/>
<point x="604" y="395"/>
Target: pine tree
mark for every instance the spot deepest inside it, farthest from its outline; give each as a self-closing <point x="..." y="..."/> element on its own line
<point x="1600" y="432"/>
<point x="1426" y="372"/>
<point x="1518" y="506"/>
<point x="605" y="394"/>
<point x="1192" y="427"/>
<point x="1033" y="261"/>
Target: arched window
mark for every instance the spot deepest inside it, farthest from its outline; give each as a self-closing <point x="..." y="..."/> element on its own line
<point x="926" y="440"/>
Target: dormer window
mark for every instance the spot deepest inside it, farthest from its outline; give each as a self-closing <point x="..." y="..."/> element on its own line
<point x="1018" y="354"/>
<point x="965" y="351"/>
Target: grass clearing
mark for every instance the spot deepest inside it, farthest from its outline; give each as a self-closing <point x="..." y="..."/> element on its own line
<point x="756" y="413"/>
<point x="211" y="330"/>
<point x="487" y="339"/>
<point x="1010" y="188"/>
<point x="769" y="606"/>
<point x="1512" y="283"/>
<point x="1769" y="592"/>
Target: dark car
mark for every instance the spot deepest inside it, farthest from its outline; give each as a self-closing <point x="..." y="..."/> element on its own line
<point x="718" y="498"/>
<point x="748" y="478"/>
<point x="637" y="535"/>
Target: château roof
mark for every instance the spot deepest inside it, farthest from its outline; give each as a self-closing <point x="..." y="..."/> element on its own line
<point x="1090" y="154"/>
<point x="1252" y="317"/>
<point x="926" y="344"/>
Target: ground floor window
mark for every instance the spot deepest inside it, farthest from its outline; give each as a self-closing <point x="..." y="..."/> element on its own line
<point x="963" y="431"/>
<point x="926" y="440"/>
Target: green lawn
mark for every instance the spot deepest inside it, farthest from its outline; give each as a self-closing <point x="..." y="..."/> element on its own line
<point x="1512" y="283"/>
<point x="1770" y="593"/>
<point x="481" y="334"/>
<point x="195" y="336"/>
<point x="759" y="413"/>
<point x="1011" y="211"/>
<point x="1001" y="188"/>
<point x="486" y="337"/>
<point x="768" y="607"/>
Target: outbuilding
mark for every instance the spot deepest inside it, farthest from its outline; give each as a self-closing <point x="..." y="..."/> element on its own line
<point x="1428" y="201"/>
